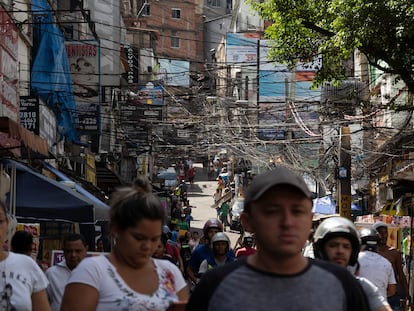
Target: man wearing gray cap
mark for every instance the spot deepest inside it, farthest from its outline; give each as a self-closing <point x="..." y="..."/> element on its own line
<point x="278" y="210"/>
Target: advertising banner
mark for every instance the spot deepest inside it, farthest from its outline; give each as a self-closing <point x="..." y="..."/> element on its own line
<point x="129" y="60"/>
<point x="175" y="72"/>
<point x="150" y="95"/>
<point x="9" y="106"/>
<point x="242" y="47"/>
<point x="39" y="119"/>
<point x="84" y="66"/>
<point x="272" y="119"/>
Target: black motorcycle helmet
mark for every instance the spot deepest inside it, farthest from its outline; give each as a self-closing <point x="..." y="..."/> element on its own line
<point x="369" y="239"/>
<point x="336" y="227"/>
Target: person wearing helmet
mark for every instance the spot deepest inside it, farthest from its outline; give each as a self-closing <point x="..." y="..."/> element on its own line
<point x="247" y="248"/>
<point x="402" y="297"/>
<point x="181" y="190"/>
<point x="337" y="240"/>
<point x="278" y="209"/>
<point x="220" y="245"/>
<point x="203" y="251"/>
<point x="373" y="266"/>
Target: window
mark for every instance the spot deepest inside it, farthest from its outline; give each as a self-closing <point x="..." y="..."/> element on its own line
<point x="68" y="31"/>
<point x="147" y="10"/>
<point x="215" y="3"/>
<point x="176" y="13"/>
<point x="175" y="39"/>
<point x="175" y="42"/>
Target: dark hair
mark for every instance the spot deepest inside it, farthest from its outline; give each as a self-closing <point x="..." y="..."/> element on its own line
<point x="71" y="237"/>
<point x="22" y="242"/>
<point x="133" y="204"/>
<point x="164" y="239"/>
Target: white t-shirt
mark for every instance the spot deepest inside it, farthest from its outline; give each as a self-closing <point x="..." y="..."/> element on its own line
<point x="377" y="269"/>
<point x="57" y="275"/>
<point x="115" y="294"/>
<point x="374" y="297"/>
<point x="20" y="277"/>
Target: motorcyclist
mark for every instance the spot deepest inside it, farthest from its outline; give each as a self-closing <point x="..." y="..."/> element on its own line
<point x="181" y="190"/>
<point x="202" y="251"/>
<point x="220" y="245"/>
<point x="337" y="240"/>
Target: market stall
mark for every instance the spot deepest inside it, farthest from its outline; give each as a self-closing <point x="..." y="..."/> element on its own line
<point x="57" y="208"/>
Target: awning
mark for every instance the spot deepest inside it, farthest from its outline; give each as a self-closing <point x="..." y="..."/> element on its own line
<point x="101" y="209"/>
<point x="13" y="134"/>
<point x="41" y="198"/>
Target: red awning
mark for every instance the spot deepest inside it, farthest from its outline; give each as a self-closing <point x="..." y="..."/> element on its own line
<point x="12" y="135"/>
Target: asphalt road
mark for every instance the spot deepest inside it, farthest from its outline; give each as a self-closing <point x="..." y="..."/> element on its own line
<point x="200" y="195"/>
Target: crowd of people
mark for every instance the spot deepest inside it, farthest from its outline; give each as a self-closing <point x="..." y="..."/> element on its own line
<point x="154" y="264"/>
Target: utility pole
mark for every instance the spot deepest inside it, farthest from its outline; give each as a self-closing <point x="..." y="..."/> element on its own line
<point x="344" y="173"/>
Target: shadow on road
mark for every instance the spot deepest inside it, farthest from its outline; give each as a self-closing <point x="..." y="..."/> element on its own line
<point x="199" y="195"/>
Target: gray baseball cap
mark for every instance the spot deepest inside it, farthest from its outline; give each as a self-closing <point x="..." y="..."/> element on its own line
<point x="279" y="176"/>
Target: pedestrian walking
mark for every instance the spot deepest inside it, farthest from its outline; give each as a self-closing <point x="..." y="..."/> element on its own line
<point x="74" y="251"/>
<point x="278" y="209"/>
<point x="217" y="196"/>
<point x="22" y="243"/>
<point x="337" y="240"/>
<point x="401" y="299"/>
<point x="194" y="241"/>
<point x="191" y="175"/>
<point x="129" y="278"/>
<point x="224" y="214"/>
<point x="187" y="214"/>
<point x="23" y="284"/>
<point x="220" y="185"/>
<point x="373" y="266"/>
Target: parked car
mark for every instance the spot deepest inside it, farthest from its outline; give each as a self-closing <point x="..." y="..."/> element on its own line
<point x="236" y="209"/>
<point x="169" y="177"/>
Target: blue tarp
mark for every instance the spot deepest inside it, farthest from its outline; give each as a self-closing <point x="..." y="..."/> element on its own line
<point x="324" y="205"/>
<point x="327" y="205"/>
<point x="50" y="74"/>
<point x="42" y="198"/>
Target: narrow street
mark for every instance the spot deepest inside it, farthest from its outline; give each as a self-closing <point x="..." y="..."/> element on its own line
<point x="200" y="195"/>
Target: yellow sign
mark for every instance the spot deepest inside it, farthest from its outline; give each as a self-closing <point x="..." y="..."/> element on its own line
<point x="90" y="160"/>
<point x="90" y="175"/>
<point x="345" y="206"/>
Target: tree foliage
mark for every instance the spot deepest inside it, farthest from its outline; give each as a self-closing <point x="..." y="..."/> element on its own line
<point x="301" y="29"/>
